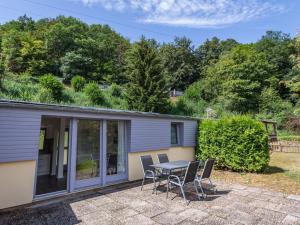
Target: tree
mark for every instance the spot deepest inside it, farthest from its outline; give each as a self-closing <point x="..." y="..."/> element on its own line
<point x="278" y="47"/>
<point x="179" y="63"/>
<point x="210" y="51"/>
<point x="237" y="79"/>
<point x="147" y="90"/>
<point x="74" y="63"/>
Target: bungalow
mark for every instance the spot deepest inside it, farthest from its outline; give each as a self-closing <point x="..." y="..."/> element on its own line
<point x="48" y="150"/>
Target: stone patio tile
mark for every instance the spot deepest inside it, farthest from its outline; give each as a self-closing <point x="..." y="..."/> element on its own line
<point x="137" y="204"/>
<point x="244" y="207"/>
<point x="214" y="220"/>
<point x="168" y="218"/>
<point x="266" y="205"/>
<point x="254" y="189"/>
<point x="238" y="186"/>
<point x="259" y="196"/>
<point x="151" y="210"/>
<point x="294" y="197"/>
<point x="139" y="220"/>
<point x="291" y="220"/>
<point x="100" y="200"/>
<point x="83" y="207"/>
<point x="112" y="206"/>
<point x="193" y="215"/>
<point x="274" y="193"/>
<point x="291" y="209"/>
<point x="124" y="213"/>
<point x="219" y="211"/>
<point x="99" y="217"/>
<point x="242" y="217"/>
<point x="188" y="222"/>
<point x="269" y="215"/>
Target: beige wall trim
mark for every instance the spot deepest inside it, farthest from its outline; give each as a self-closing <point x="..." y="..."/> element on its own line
<point x="17" y="183"/>
<point x="135" y="171"/>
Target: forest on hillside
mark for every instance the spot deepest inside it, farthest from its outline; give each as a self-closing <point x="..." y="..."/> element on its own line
<point x="64" y="60"/>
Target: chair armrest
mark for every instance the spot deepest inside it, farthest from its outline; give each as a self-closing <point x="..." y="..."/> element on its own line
<point x="174" y="177"/>
<point x="150" y="171"/>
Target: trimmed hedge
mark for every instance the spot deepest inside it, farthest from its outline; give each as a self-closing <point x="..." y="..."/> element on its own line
<point x="238" y="143"/>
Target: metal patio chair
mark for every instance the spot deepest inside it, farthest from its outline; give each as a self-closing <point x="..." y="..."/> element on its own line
<point x="149" y="172"/>
<point x="163" y="158"/>
<point x="205" y="175"/>
<point x="189" y="177"/>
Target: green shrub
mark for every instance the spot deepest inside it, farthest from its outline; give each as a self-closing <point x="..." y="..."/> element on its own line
<point x="49" y="82"/>
<point x="45" y="96"/>
<point x="78" y="83"/>
<point x="94" y="93"/>
<point x="238" y="143"/>
<point x="116" y="91"/>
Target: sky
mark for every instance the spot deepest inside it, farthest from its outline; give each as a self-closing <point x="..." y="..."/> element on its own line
<point x="244" y="20"/>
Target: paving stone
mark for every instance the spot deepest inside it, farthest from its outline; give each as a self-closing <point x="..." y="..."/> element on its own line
<point x="244" y="207"/>
<point x="99" y="217"/>
<point x="126" y="204"/>
<point x="214" y="220"/>
<point x="269" y="215"/>
<point x="168" y="218"/>
<point x="139" y="220"/>
<point x="219" y="211"/>
<point x="242" y="217"/>
<point x="294" y="197"/>
<point x="151" y="210"/>
<point x="291" y="209"/>
<point x="193" y="215"/>
<point x="291" y="220"/>
<point x="83" y="207"/>
<point x="124" y="213"/>
<point x="100" y="200"/>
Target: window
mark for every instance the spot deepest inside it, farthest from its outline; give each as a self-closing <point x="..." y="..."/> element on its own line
<point x="42" y="139"/>
<point x="175" y="134"/>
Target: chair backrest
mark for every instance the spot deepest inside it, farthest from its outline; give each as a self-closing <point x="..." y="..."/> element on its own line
<point x="208" y="166"/>
<point x="163" y="158"/>
<point x="191" y="172"/>
<point x="146" y="162"/>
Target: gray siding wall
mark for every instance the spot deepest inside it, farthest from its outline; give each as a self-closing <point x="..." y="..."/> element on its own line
<point x="153" y="134"/>
<point x="20" y="128"/>
<point x="19" y="134"/>
<point x="189" y="134"/>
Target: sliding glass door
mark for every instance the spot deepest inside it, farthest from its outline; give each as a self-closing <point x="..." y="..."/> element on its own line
<point x="116" y="155"/>
<point x="88" y="152"/>
<point x="100" y="152"/>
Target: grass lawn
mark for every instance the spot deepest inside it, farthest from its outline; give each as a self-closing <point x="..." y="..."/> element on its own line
<point x="283" y="174"/>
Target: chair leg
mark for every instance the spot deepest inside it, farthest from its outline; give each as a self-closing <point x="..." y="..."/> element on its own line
<point x="183" y="194"/>
<point x="168" y="187"/>
<point x="200" y="185"/>
<point x="143" y="183"/>
<point x="154" y="186"/>
<point x="196" y="188"/>
<point x="211" y="184"/>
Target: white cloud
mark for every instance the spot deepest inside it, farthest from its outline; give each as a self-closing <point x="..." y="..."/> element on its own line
<point x="193" y="13"/>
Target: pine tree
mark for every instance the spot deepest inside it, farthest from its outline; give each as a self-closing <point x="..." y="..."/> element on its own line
<point x="147" y="90"/>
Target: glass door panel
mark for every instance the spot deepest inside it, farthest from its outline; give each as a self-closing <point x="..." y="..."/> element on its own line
<point x="116" y="151"/>
<point x="88" y="149"/>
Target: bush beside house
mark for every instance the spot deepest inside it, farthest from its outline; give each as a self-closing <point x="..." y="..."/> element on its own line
<point x="238" y="143"/>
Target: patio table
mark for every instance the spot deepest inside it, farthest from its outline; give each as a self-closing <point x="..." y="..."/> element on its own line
<point x="173" y="165"/>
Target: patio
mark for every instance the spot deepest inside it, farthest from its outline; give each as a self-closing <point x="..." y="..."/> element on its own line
<point x="126" y="204"/>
